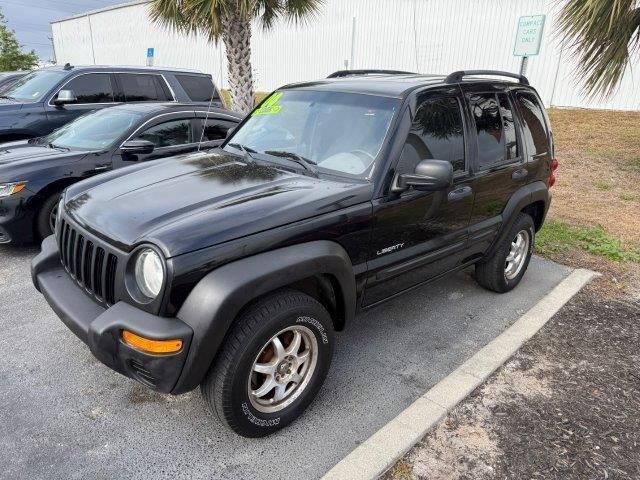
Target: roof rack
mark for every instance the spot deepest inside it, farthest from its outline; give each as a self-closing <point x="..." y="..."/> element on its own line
<point x="349" y="73"/>
<point x="456" y="77"/>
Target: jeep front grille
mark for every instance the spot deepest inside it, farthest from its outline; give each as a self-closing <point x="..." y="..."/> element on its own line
<point x="88" y="264"/>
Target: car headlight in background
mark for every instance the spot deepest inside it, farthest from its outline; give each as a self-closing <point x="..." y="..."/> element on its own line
<point x="149" y="273"/>
<point x="7" y="189"/>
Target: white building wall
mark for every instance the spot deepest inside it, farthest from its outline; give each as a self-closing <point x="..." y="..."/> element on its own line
<point x="428" y="36"/>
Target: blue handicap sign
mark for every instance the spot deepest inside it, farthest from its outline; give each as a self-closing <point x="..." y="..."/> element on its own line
<point x="150" y="52"/>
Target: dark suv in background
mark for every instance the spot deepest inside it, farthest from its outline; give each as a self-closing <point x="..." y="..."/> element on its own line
<point x="232" y="269"/>
<point x="46" y="99"/>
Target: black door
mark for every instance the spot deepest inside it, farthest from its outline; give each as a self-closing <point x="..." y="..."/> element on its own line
<point x="93" y="91"/>
<point x="420" y="235"/>
<point x="498" y="168"/>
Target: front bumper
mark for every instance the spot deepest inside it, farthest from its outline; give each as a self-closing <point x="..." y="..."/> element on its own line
<point x="16" y="219"/>
<point x="100" y="328"/>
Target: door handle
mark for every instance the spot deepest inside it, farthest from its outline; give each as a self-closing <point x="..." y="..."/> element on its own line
<point x="459" y="194"/>
<point x="101" y="168"/>
<point x="520" y="174"/>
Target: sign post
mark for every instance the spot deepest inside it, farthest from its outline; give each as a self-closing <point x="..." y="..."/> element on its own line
<point x="150" y="54"/>
<point x="528" y="39"/>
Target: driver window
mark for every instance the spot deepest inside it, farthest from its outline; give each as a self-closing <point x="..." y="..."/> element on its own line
<point x="169" y="134"/>
<point x="91" y="88"/>
<point x="436" y="134"/>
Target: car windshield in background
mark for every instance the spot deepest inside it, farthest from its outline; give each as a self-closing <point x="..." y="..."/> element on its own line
<point x="338" y="132"/>
<point x="32" y="87"/>
<point x="93" y="131"/>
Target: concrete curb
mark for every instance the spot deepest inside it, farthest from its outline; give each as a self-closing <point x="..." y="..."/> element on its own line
<point x="380" y="451"/>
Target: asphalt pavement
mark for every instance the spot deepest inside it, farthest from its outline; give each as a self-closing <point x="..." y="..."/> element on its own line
<point x="65" y="415"/>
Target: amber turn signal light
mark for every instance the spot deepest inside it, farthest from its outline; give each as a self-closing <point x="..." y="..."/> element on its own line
<point x="151" y="346"/>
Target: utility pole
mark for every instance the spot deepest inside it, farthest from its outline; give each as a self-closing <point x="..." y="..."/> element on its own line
<point x="53" y="47"/>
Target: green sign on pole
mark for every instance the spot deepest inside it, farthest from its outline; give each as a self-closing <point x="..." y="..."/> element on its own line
<point x="529" y="35"/>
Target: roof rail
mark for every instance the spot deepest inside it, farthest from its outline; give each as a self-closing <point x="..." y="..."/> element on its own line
<point x="456" y="77"/>
<point x="349" y="73"/>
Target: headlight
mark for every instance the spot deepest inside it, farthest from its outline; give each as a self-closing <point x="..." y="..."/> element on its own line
<point x="149" y="273"/>
<point x="7" y="189"/>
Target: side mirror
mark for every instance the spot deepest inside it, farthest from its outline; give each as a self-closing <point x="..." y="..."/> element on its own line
<point x="230" y="132"/>
<point x="429" y="176"/>
<point x="137" y="147"/>
<point x="64" y="97"/>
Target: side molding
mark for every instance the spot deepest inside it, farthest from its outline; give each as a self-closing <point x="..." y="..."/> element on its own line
<point x="216" y="300"/>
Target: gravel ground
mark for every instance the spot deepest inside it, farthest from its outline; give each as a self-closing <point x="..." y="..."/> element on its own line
<point x="566" y="406"/>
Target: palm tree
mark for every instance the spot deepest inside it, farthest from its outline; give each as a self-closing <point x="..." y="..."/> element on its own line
<point x="603" y="35"/>
<point x="231" y="20"/>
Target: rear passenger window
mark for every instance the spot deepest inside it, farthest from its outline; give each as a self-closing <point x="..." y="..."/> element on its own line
<point x="436" y="134"/>
<point x="139" y="87"/>
<point x="486" y="114"/>
<point x="215" y="129"/>
<point x="536" y="134"/>
<point x="495" y="127"/>
<point x="92" y="88"/>
<point x="199" y="89"/>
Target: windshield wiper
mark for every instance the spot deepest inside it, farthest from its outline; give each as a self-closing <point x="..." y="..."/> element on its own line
<point x="7" y="97"/>
<point x="58" y="147"/>
<point x="246" y="150"/>
<point x="308" y="164"/>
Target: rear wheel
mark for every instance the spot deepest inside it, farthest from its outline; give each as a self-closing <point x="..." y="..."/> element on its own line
<point x="508" y="264"/>
<point x="271" y="365"/>
<point x="46" y="219"/>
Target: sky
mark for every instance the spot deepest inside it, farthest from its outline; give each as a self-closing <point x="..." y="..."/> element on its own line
<point x="31" y="19"/>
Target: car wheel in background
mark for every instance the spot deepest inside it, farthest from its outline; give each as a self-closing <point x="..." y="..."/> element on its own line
<point x="45" y="221"/>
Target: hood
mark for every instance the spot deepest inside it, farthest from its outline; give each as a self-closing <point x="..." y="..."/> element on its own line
<point x="195" y="201"/>
<point x="18" y="160"/>
<point x="8" y="105"/>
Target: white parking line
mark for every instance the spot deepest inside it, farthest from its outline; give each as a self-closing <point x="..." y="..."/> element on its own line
<point x="380" y="451"/>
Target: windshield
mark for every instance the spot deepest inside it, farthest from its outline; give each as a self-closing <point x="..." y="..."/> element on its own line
<point x="94" y="131"/>
<point x="339" y="132"/>
<point x="34" y="86"/>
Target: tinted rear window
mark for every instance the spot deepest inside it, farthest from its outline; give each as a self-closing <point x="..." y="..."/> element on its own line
<point x="536" y="135"/>
<point x="138" y="87"/>
<point x="199" y="89"/>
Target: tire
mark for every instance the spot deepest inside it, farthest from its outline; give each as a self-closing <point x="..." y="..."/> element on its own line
<point x="496" y="273"/>
<point x="226" y="387"/>
<point x="44" y="225"/>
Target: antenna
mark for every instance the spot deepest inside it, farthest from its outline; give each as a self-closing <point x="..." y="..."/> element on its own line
<point x="206" y="118"/>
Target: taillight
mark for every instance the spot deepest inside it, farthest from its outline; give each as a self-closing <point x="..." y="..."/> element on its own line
<point x="552" y="178"/>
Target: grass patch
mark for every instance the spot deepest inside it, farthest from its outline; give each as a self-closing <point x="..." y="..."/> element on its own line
<point x="628" y="197"/>
<point x="634" y="163"/>
<point x="603" y="185"/>
<point x="557" y="237"/>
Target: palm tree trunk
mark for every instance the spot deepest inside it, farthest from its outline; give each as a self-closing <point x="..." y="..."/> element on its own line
<point x="236" y="35"/>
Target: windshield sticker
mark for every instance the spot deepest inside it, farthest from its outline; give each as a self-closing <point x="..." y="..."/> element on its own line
<point x="270" y="106"/>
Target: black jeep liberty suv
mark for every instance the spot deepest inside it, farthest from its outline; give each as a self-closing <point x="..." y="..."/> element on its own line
<point x="232" y="268"/>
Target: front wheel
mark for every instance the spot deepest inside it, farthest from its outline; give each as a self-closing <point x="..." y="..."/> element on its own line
<point x="272" y="364"/>
<point x="505" y="268"/>
<point x="46" y="219"/>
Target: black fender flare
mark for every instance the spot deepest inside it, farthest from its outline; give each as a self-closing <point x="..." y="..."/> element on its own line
<point x="531" y="193"/>
<point x="216" y="300"/>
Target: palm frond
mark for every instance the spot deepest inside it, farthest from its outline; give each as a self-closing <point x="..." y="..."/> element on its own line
<point x="295" y="11"/>
<point x="603" y="35"/>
